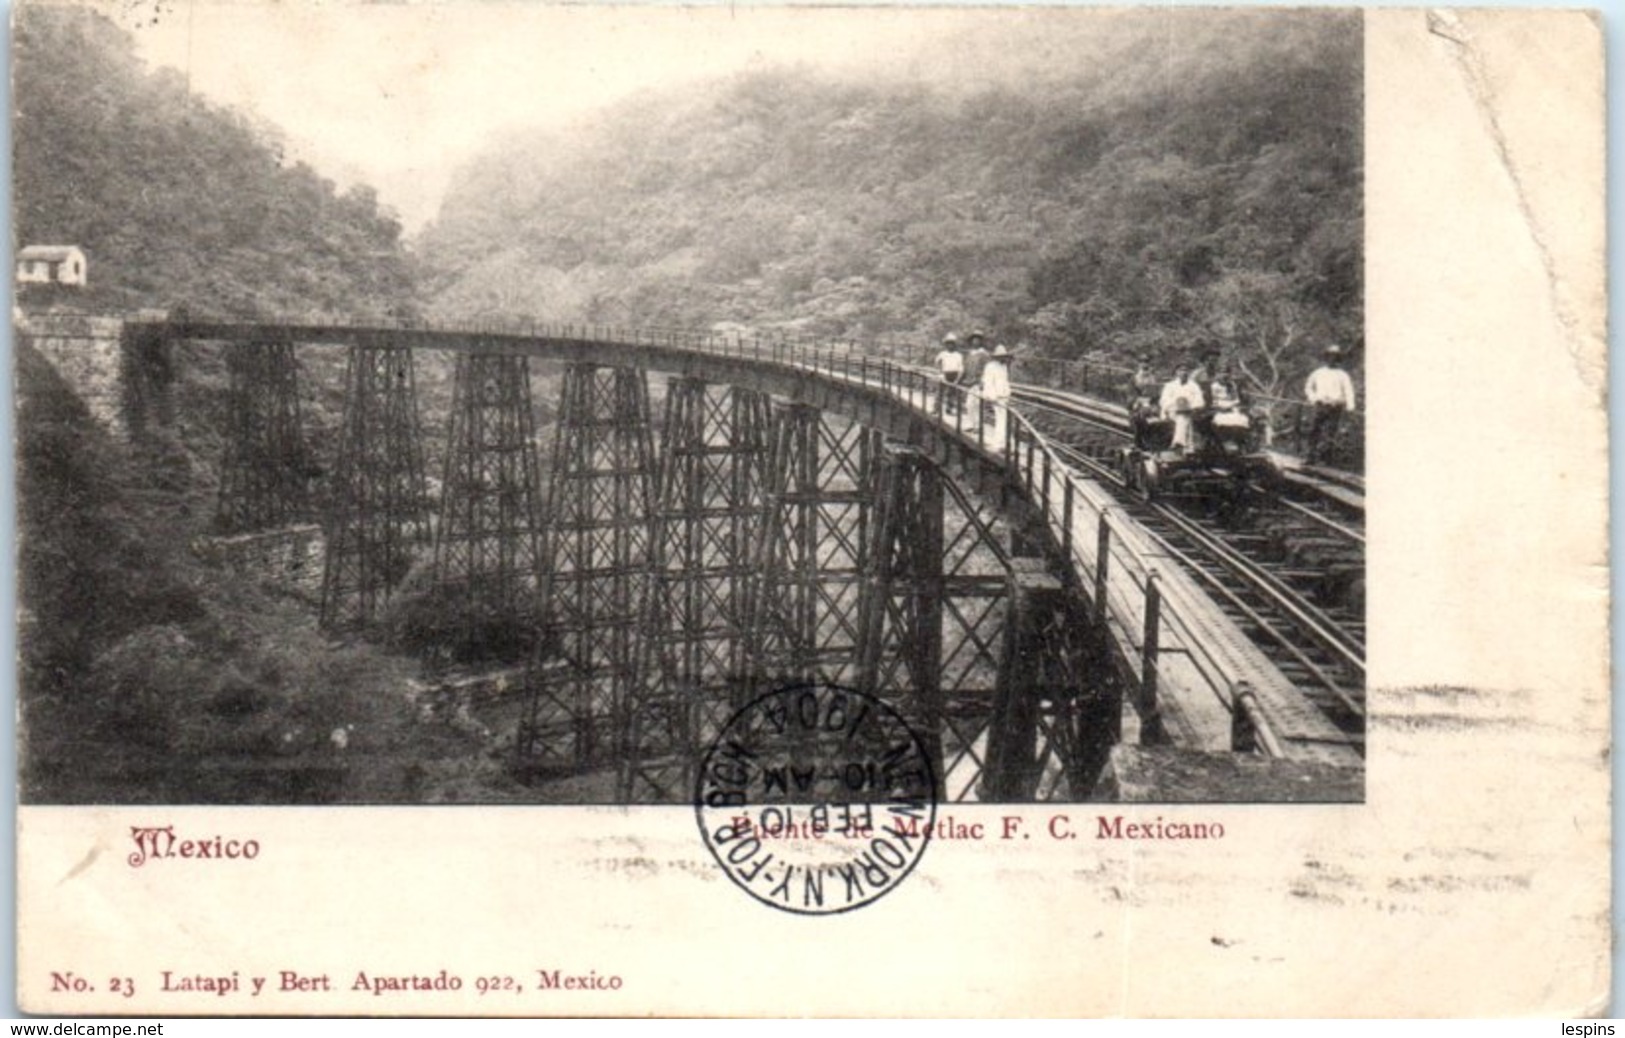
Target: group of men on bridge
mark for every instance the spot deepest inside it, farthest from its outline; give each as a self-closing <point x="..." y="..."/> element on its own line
<point x="983" y="376"/>
<point x="1202" y="401"/>
<point x="1206" y="400"/>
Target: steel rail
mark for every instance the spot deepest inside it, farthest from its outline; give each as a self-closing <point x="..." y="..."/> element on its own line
<point x="1250" y="574"/>
<point x="1208" y="667"/>
<point x="1033" y="462"/>
<point x="1326" y="521"/>
<point x="1327" y="631"/>
<point x="1305" y="612"/>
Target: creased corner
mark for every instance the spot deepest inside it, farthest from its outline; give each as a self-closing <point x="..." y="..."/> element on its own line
<point x="1588" y="357"/>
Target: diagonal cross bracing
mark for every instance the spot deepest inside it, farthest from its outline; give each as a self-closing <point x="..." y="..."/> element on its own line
<point x="803" y="609"/>
<point x="377" y="516"/>
<point x="900" y="647"/>
<point x="706" y="519"/>
<point x="1059" y="704"/>
<point x="264" y="474"/>
<point x="595" y="570"/>
<point x="933" y="613"/>
<point x="488" y="541"/>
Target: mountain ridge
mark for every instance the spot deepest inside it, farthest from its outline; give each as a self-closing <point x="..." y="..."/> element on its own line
<point x="1199" y="190"/>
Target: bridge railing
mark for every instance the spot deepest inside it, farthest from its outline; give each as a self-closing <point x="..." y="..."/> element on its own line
<point x="1149" y="615"/>
<point x="1288" y="423"/>
<point x="1098" y="378"/>
<point x="1151" y="618"/>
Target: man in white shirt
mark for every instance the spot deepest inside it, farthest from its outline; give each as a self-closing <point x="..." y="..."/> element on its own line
<point x="952" y="365"/>
<point x="1180" y="398"/>
<point x="1330" y="393"/>
<point x="975" y="357"/>
<point x="995" y="388"/>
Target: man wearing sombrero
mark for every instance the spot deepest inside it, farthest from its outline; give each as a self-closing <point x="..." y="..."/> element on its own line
<point x="995" y="388"/>
<point x="952" y="365"/>
<point x="1330" y="392"/>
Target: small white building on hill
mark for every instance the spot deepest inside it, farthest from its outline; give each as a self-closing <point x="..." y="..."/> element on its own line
<point x="51" y="265"/>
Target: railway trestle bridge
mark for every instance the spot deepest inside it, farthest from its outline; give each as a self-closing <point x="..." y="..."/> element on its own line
<point x="798" y="512"/>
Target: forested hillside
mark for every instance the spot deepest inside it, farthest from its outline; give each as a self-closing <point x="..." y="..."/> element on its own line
<point x="175" y="200"/>
<point x="145" y="675"/>
<point x="1086" y="185"/>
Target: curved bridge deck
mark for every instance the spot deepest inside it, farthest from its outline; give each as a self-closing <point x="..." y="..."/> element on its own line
<point x="1195" y="679"/>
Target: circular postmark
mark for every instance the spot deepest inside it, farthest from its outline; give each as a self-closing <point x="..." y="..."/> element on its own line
<point x="816" y="799"/>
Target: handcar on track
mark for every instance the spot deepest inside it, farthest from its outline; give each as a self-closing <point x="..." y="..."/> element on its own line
<point x="1222" y="469"/>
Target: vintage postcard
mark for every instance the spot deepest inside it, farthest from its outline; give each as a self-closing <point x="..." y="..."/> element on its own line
<point x="538" y="510"/>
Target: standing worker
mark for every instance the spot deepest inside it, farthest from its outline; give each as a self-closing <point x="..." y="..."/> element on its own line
<point x="996" y="390"/>
<point x="975" y="357"/>
<point x="1229" y="422"/>
<point x="952" y="365"/>
<point x="1330" y="393"/>
<point x="1142" y="399"/>
<point x="1207" y="367"/>
<point x="1181" y="398"/>
<point x="975" y="361"/>
<point x="1142" y="385"/>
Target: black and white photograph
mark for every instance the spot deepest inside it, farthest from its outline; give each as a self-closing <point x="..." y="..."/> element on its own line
<point x="492" y="433"/>
<point x="808" y="510"/>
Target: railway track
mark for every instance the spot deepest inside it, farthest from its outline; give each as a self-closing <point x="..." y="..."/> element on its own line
<point x="1288" y="567"/>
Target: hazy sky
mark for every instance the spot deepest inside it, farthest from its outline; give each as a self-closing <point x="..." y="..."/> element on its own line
<point x="401" y="94"/>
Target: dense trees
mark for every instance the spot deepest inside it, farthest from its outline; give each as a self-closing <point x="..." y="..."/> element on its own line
<point x="1129" y="183"/>
<point x="142" y="670"/>
<point x="1102" y="185"/>
<point x="147" y="676"/>
<point x="174" y="200"/>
